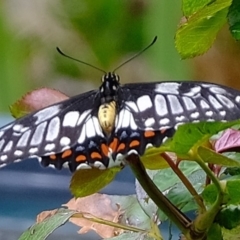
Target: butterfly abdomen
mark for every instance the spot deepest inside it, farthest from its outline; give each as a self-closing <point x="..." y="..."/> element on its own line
<point x="106" y="116"/>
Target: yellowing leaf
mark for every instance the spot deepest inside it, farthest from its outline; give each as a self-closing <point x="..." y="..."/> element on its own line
<point x="209" y="156"/>
<point x="85" y="182"/>
<point x="153" y="160"/>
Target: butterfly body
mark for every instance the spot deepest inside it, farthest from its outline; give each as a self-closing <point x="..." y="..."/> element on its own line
<point x="107" y="116"/>
<point x="101" y="127"/>
<point x="109" y="99"/>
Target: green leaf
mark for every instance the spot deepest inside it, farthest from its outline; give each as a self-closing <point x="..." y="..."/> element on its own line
<point x="234" y="19"/>
<point x="193" y="134"/>
<point x="229" y="217"/>
<point x="132" y="211"/>
<point x="146" y="203"/>
<point x="209" y="194"/>
<point x="232" y="191"/>
<point x="85" y="182"/>
<point x="133" y="215"/>
<point x="197" y="34"/>
<point x="233" y="234"/>
<point x="153" y="160"/>
<point x="189" y="7"/>
<point x="176" y="191"/>
<point x="43" y="229"/>
<point x="233" y="171"/>
<point x="214" y="232"/>
<point x="209" y="156"/>
<point x="190" y="169"/>
<point x="182" y="199"/>
<point x="133" y="236"/>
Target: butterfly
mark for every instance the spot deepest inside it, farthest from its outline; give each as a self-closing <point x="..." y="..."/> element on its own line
<point x="100" y="128"/>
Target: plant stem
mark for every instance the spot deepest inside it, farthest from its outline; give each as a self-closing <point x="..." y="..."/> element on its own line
<point x="210" y="174"/>
<point x="185" y="181"/>
<point x="175" y="215"/>
<point x="88" y="217"/>
<point x="205" y="220"/>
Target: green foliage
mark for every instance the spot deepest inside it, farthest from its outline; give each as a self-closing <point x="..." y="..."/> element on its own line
<point x="234" y="170"/>
<point x="171" y="180"/>
<point x="100" y="20"/>
<point x="88" y="181"/>
<point x="210" y="156"/>
<point x="189" y="7"/>
<point x="192" y="135"/>
<point x="232" y="192"/>
<point x="234" y="19"/>
<point x="215" y="232"/>
<point x="231" y="234"/>
<point x="132" y="236"/>
<point x="12" y="59"/>
<point x="133" y="219"/>
<point x="229" y="217"/>
<point x="198" y="33"/>
<point x="107" y="36"/>
<point x="183" y="185"/>
<point x="45" y="228"/>
<point x="202" y="21"/>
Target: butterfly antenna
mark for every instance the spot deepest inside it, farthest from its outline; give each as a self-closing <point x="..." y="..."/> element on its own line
<point x="88" y="64"/>
<point x="136" y="55"/>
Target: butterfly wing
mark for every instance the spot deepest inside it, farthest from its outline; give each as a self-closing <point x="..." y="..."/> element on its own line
<point x="167" y="104"/>
<point x="149" y="113"/>
<point x="52" y="130"/>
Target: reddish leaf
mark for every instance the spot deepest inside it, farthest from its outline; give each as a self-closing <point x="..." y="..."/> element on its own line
<point x="229" y="141"/>
<point x="45" y="214"/>
<point x="98" y="205"/>
<point x="36" y="100"/>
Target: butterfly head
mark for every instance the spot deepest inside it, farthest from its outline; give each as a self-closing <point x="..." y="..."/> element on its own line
<point x="109" y="87"/>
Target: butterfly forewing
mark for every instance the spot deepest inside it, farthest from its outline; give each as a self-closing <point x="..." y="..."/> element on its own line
<point x="167" y="104"/>
<point x="49" y="130"/>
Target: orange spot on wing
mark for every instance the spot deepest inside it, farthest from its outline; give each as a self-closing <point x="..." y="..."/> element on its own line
<point x="96" y="155"/>
<point x="149" y="134"/>
<point x="113" y="144"/>
<point x="67" y="153"/>
<point x="53" y="157"/>
<point x="134" y="143"/>
<point x="104" y="148"/>
<point x="81" y="158"/>
<point x="121" y="147"/>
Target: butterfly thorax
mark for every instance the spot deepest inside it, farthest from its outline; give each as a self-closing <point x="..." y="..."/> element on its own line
<point x="108" y="96"/>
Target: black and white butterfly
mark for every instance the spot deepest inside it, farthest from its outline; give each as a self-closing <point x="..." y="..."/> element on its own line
<point x="101" y="127"/>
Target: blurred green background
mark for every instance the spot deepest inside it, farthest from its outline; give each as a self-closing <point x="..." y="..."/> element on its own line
<point x="104" y="33"/>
